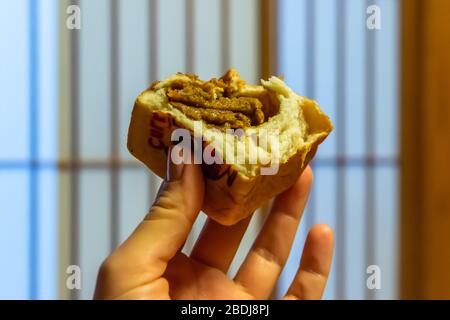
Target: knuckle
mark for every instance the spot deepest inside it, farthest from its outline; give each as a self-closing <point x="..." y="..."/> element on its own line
<point x="109" y="266"/>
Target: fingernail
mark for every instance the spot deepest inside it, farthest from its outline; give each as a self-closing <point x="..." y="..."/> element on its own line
<point x="173" y="171"/>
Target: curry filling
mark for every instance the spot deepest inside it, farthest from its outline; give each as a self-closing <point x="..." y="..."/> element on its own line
<point x="217" y="102"/>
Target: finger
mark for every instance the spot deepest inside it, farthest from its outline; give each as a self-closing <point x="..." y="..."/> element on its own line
<point x="265" y="261"/>
<point x="312" y="275"/>
<point x="164" y="230"/>
<point x="217" y="244"/>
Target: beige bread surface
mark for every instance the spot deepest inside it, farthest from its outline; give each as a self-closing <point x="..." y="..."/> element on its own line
<point x="233" y="190"/>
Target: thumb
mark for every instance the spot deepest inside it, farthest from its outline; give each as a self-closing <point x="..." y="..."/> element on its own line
<point x="165" y="229"/>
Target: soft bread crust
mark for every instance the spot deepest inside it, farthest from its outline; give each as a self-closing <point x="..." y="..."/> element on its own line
<point x="233" y="192"/>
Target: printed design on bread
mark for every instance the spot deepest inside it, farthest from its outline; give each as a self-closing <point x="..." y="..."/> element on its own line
<point x="263" y="126"/>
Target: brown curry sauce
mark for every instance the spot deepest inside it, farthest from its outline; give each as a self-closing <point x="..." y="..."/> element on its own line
<point x="217" y="102"/>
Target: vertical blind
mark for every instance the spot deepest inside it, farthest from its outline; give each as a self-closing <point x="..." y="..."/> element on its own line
<point x="328" y="53"/>
<point x="28" y="149"/>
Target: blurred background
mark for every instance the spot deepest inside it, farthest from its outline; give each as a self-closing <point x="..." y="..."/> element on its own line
<point x="70" y="192"/>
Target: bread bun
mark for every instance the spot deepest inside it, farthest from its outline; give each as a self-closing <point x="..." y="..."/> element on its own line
<point x="293" y="127"/>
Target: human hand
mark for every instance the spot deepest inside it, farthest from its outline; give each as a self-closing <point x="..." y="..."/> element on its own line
<point x="150" y="264"/>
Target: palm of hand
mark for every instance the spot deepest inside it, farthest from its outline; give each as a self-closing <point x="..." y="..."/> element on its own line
<point x="191" y="280"/>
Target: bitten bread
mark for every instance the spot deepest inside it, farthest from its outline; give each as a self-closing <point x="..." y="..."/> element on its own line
<point x="294" y="126"/>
